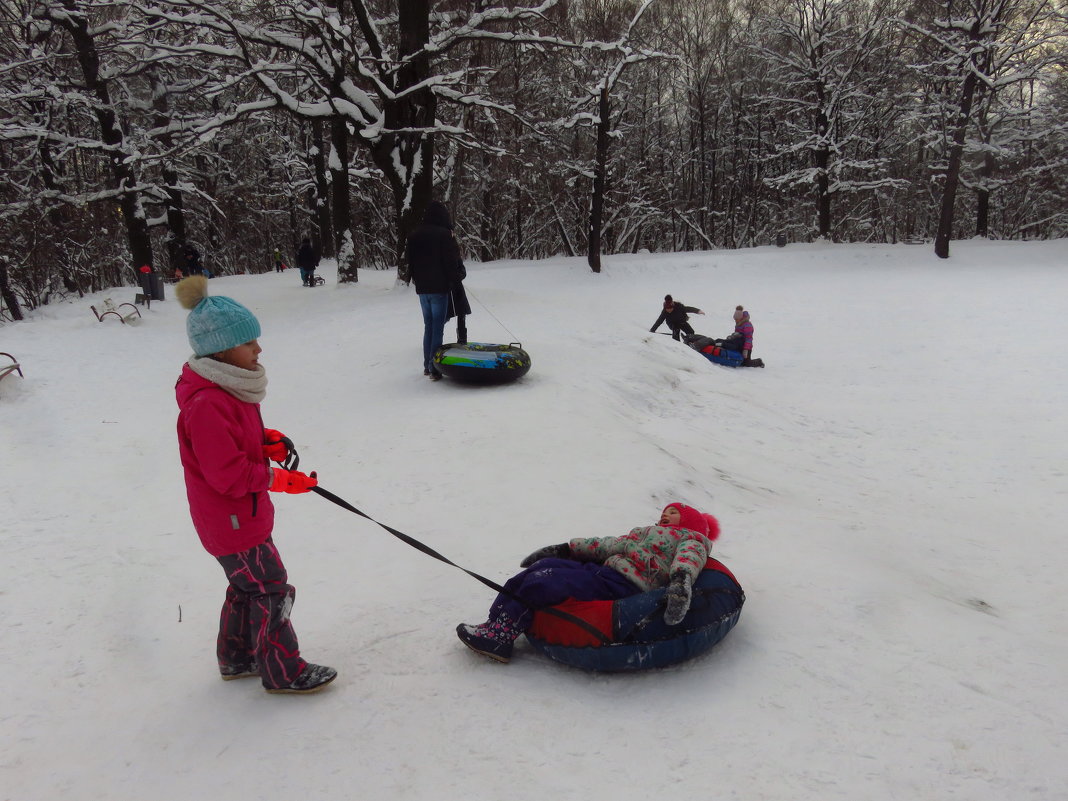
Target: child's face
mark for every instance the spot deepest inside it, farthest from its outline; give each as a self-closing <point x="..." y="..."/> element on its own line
<point x="671" y="517"/>
<point x="244" y="356"/>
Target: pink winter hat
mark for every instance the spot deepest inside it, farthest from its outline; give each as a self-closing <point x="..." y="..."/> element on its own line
<point x="696" y="520"/>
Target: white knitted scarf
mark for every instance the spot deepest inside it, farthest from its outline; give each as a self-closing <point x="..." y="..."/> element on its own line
<point x="247" y="385"/>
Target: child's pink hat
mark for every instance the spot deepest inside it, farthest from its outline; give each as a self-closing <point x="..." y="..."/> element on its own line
<point x="696" y="520"/>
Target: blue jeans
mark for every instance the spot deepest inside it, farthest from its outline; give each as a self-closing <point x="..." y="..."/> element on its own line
<point x="434" y="308"/>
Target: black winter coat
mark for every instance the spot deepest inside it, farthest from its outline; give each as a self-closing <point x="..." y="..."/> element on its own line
<point x="433" y="255"/>
<point x="306" y="258"/>
<point x="192" y="261"/>
<point x="674" y="318"/>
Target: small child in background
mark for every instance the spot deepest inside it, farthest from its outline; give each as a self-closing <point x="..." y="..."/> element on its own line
<point x="225" y="452"/>
<point x="671" y="553"/>
<point x="741" y="341"/>
<point x="744" y="327"/>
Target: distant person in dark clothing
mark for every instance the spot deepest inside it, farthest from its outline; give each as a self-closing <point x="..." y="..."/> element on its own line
<point x="307" y="261"/>
<point x="193" y="264"/>
<point x="676" y="316"/>
<point x="437" y="269"/>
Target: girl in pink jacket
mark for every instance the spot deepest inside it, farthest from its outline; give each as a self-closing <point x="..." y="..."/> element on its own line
<point x="225" y="453"/>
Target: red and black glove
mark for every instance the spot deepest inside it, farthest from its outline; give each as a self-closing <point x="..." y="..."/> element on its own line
<point x="292" y="481"/>
<point x="274" y="446"/>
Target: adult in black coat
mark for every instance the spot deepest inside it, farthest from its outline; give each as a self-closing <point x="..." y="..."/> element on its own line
<point x="676" y="316"/>
<point x="307" y="261"/>
<point x="437" y="270"/>
<point x="193" y="265"/>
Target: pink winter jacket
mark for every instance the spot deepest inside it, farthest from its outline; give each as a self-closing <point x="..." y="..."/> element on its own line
<point x="220" y="439"/>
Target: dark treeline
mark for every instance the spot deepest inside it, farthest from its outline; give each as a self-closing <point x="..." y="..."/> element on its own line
<point x="128" y="129"/>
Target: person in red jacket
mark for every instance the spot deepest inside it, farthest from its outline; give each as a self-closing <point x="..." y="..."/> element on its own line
<point x="226" y="453"/>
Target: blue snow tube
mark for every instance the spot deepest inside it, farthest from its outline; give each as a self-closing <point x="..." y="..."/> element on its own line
<point x="713" y="350"/>
<point x="482" y="362"/>
<point x="639" y="638"/>
<point x="718" y="355"/>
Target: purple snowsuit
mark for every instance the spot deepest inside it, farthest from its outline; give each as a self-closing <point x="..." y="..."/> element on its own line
<point x="549" y="582"/>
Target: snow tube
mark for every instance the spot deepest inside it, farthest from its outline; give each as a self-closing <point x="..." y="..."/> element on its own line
<point x="481" y="362"/>
<point x="635" y="625"/>
<point x="718" y="355"/>
<point x="715" y="353"/>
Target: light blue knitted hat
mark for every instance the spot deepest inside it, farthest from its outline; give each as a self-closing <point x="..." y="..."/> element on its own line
<point x="215" y="323"/>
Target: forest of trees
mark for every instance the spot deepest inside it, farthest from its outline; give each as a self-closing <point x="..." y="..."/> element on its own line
<point x="576" y="127"/>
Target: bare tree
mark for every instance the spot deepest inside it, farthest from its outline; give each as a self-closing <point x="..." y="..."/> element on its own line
<point x="974" y="40"/>
<point x="72" y="17"/>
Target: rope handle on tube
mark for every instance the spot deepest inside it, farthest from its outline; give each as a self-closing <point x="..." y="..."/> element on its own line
<point x="423" y="548"/>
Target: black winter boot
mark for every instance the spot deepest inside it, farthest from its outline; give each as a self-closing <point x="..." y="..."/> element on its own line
<point x="231" y="672"/>
<point x="312" y="679"/>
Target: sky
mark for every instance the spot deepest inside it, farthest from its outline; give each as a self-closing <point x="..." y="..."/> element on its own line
<point x="891" y="490"/>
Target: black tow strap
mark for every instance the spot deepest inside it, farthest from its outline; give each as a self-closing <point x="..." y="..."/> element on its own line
<point x="419" y="546"/>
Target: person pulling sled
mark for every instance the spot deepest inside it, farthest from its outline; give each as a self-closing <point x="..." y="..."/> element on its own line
<point x="226" y="456"/>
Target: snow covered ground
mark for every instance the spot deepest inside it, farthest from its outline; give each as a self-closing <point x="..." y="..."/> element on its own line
<point x="891" y="489"/>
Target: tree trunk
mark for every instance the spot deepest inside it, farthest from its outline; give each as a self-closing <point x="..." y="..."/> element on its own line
<point x="565" y="240"/>
<point x="486" y="227"/>
<point x="600" y="167"/>
<point x="57" y="215"/>
<point x="341" y="206"/>
<point x="982" y="211"/>
<point x="175" y="209"/>
<point x="475" y="63"/>
<point x="956" y="151"/>
<point x="174" y="205"/>
<point x="8" y="296"/>
<point x="413" y="183"/>
<point x="821" y="158"/>
<point x="320" y="195"/>
<point x="124" y="177"/>
<point x="823" y="195"/>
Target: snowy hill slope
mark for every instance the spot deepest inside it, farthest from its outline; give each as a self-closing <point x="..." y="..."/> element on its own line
<point x="891" y="491"/>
